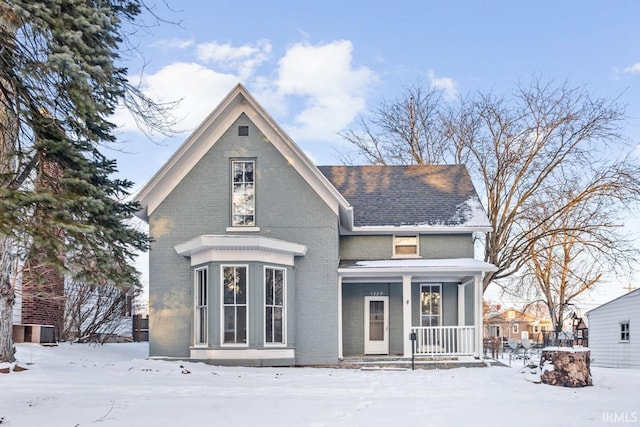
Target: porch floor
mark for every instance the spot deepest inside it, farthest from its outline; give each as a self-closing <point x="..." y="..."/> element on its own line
<point x="403" y="363"/>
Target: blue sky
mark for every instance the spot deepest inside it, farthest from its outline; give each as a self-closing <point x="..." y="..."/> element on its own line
<point x="317" y="65"/>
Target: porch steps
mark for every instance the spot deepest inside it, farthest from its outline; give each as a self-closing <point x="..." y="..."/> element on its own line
<point x="403" y="363"/>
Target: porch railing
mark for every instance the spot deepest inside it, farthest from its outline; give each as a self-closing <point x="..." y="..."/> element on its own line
<point x="444" y="340"/>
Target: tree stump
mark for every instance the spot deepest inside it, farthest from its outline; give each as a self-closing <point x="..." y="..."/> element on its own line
<point x="566" y="366"/>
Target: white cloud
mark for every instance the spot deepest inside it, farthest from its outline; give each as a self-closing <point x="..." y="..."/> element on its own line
<point x="174" y="44"/>
<point x="633" y="69"/>
<point x="198" y="88"/>
<point x="446" y="84"/>
<point x="318" y="83"/>
<point x="243" y="60"/>
<point x="334" y="92"/>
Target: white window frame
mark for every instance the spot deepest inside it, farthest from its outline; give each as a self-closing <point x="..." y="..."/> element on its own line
<point x="204" y="306"/>
<point x="625" y="331"/>
<point x="396" y="245"/>
<point x="232" y="184"/>
<point x="432" y="285"/>
<point x="284" y="308"/>
<point x="515" y="328"/>
<point x="223" y="305"/>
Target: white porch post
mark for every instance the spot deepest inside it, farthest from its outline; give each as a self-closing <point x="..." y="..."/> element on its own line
<point x="461" y="310"/>
<point x="406" y="314"/>
<point x="340" y="355"/>
<point x="477" y="311"/>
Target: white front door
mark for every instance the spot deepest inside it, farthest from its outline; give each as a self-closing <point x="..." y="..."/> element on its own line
<point x="376" y="325"/>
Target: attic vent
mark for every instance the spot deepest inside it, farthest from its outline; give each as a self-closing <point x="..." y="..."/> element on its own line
<point x="243" y="130"/>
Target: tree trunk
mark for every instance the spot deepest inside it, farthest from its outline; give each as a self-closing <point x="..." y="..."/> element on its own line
<point x="566" y="367"/>
<point x="7" y="296"/>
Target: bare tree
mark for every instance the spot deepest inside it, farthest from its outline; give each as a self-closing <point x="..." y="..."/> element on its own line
<point x="518" y="148"/>
<point x="95" y="310"/>
<point x="575" y="247"/>
<point x="407" y="130"/>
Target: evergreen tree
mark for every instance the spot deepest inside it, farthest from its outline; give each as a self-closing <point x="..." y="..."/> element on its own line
<point x="59" y="203"/>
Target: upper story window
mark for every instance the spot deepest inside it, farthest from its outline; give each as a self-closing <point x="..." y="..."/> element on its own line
<point x="243" y="193"/>
<point x="405" y="246"/>
<point x="624" y="331"/>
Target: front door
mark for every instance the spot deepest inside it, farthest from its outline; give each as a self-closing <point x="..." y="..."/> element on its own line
<point x="376" y="325"/>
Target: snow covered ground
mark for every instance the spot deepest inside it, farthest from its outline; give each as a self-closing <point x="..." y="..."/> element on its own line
<point x="114" y="385"/>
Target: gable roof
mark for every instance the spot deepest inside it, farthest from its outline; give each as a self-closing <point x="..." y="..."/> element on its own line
<point x="634" y="293"/>
<point x="237" y="102"/>
<point x="519" y="316"/>
<point x="433" y="197"/>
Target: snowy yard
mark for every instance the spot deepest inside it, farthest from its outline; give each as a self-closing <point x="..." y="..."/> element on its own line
<point x="113" y="385"/>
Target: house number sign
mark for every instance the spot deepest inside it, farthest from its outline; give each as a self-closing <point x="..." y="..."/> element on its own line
<point x="376" y="293"/>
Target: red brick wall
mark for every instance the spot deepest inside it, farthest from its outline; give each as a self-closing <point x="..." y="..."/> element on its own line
<point x="42" y="296"/>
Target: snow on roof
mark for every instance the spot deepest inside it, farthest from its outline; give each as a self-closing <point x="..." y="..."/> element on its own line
<point x="445" y="264"/>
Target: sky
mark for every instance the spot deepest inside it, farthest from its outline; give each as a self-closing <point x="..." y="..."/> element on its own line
<point x="113" y="385"/>
<point x="317" y="66"/>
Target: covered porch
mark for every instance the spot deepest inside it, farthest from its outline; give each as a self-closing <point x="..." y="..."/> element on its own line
<point x="431" y="308"/>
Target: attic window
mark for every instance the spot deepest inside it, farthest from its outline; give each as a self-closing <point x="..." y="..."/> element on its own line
<point x="405" y="246"/>
<point x="243" y="130"/>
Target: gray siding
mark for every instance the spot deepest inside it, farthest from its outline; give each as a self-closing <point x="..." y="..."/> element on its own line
<point x="287" y="208"/>
<point x="353" y="315"/>
<point x="434" y="246"/>
<point x="604" y="333"/>
<point x="446" y="246"/>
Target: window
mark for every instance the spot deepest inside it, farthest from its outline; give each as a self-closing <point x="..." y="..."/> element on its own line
<point x="234" y="304"/>
<point x="430" y="305"/>
<point x="274" y="313"/>
<point x="200" y="301"/>
<point x="126" y="303"/>
<point x="243" y="193"/>
<point x="511" y="314"/>
<point x="624" y="331"/>
<point x="243" y="130"/>
<point x="405" y="246"/>
<point x="515" y="328"/>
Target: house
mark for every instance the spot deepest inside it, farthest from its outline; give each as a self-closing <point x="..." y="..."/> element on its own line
<point x="613" y="332"/>
<point x="261" y="258"/>
<point x="515" y="324"/>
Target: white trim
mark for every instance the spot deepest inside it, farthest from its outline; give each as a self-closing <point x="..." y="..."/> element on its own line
<point x="461" y="311"/>
<point x="477" y="311"/>
<point x="242" y="229"/>
<point x="284" y="306"/>
<point x="244" y="256"/>
<point x="421" y="229"/>
<point x="222" y="247"/>
<point x="196" y="325"/>
<point x="406" y="314"/>
<point x="340" y="343"/>
<point x="222" y="343"/>
<point x="242" y="354"/>
<point x="385" y="336"/>
<point x="415" y="267"/>
<point x="209" y="132"/>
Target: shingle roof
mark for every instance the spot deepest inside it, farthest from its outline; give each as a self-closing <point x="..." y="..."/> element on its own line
<point x="434" y="195"/>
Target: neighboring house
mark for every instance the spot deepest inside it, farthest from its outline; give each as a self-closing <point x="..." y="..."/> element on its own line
<point x="515" y="324"/>
<point x="614" y="332"/>
<point x="261" y="258"/>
